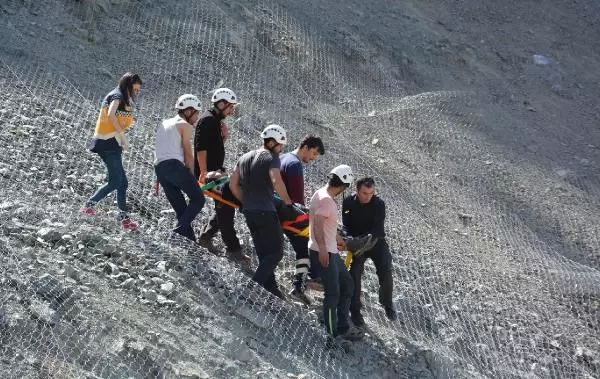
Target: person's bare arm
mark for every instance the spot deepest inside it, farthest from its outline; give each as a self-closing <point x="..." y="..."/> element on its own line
<point x="234" y="184"/>
<point x="186" y="133"/>
<point x="201" y="157"/>
<point x="319" y="235"/>
<point x="279" y="185"/>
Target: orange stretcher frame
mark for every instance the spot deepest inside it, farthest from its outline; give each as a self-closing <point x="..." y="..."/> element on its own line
<point x="286" y="224"/>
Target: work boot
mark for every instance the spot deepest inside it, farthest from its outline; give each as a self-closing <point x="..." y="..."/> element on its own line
<point x="338" y="343"/>
<point x="236" y="254"/>
<point x="352" y="334"/>
<point x="357" y="319"/>
<point x="391" y="313"/>
<point x="207" y="243"/>
<point x="300" y="295"/>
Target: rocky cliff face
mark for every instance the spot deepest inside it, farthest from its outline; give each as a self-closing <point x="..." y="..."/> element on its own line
<point x="478" y="121"/>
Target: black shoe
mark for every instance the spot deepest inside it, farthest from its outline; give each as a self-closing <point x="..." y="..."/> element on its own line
<point x="301" y="296"/>
<point x="207" y="243"/>
<point x="277" y="292"/>
<point x="357" y="319"/>
<point x="238" y="255"/>
<point x="352" y="334"/>
<point x="338" y="343"/>
<point x="391" y="313"/>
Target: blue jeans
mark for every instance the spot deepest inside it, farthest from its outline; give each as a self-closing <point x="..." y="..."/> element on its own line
<point x="267" y="236"/>
<point x="338" y="293"/>
<point x="315" y="267"/>
<point x="176" y="179"/>
<point x="117" y="180"/>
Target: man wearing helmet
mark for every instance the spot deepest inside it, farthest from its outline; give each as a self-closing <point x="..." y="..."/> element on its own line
<point x="209" y="146"/>
<point x="174" y="162"/>
<point x="364" y="213"/>
<point x="323" y="241"/>
<point x="256" y="175"/>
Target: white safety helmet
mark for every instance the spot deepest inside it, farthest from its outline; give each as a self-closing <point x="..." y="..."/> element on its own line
<point x="276" y="132"/>
<point x="344" y="172"/>
<point x="188" y="101"/>
<point x="224" y="94"/>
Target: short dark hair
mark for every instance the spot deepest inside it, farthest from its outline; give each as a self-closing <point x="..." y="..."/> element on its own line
<point x="126" y="84"/>
<point x="367" y="181"/>
<point x="311" y="142"/>
<point x="335" y="181"/>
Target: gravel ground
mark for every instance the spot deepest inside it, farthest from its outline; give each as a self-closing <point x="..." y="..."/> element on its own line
<point x="478" y="120"/>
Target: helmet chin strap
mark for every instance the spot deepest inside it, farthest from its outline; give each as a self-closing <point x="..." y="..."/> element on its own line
<point x="188" y="118"/>
<point x="218" y="111"/>
<point x="272" y="147"/>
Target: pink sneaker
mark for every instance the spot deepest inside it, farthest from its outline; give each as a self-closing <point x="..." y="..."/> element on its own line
<point x="127" y="224"/>
<point x="88" y="211"/>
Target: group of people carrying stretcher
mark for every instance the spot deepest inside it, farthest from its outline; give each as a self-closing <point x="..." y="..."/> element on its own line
<point x="267" y="186"/>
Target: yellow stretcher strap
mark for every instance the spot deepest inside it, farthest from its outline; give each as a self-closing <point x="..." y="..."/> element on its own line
<point x="348" y="260"/>
<point x="300" y="232"/>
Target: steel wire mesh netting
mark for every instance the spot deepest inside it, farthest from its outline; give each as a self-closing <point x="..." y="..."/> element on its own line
<point x="495" y="257"/>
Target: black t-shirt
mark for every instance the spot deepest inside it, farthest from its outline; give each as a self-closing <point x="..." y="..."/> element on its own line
<point x="208" y="138"/>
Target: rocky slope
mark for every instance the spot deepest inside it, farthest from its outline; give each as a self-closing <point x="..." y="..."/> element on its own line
<point x="479" y="121"/>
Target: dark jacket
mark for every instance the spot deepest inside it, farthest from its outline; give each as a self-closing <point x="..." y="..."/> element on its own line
<point x="359" y="219"/>
<point x="208" y="138"/>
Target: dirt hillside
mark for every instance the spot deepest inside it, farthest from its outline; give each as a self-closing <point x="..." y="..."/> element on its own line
<point x="479" y="121"/>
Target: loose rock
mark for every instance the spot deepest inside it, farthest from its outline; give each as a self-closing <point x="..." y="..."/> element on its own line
<point x="167" y="288"/>
<point x="60" y="113"/>
<point x="49" y="288"/>
<point x="41" y="310"/>
<point x="72" y="272"/>
<point x="161" y="265"/>
<point x="128" y="283"/>
<point x="149" y="295"/>
<point x="161" y="300"/>
<point x="111" y="269"/>
<point x="189" y="370"/>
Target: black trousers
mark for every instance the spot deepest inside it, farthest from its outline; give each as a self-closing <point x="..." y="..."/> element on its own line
<point x="267" y="236"/>
<point x="382" y="258"/>
<point x="223" y="220"/>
